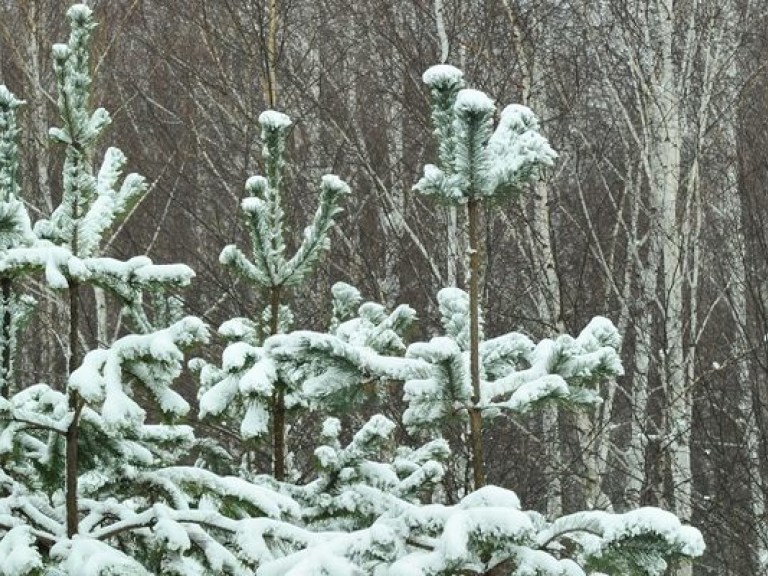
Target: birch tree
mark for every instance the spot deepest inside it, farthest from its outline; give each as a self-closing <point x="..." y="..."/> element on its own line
<point x="662" y="120"/>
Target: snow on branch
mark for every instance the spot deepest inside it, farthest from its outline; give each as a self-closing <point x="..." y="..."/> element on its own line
<point x="475" y="160"/>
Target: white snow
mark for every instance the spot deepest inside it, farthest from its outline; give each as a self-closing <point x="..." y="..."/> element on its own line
<point x="255" y="423"/>
<point x="255" y="185"/>
<point x="516" y="147"/>
<point x="333" y="182"/>
<point x="79" y="12"/>
<point x="172" y="533"/>
<point x="60" y="51"/>
<point x="473" y="101"/>
<point x="442" y="76"/>
<point x="271" y="119"/>
<point x="491" y="496"/>
<point x="18" y="554"/>
<point x="88" y="557"/>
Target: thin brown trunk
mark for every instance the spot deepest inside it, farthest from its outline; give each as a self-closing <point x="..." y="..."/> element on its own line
<point x="7" y="359"/>
<point x="75" y="405"/>
<point x="278" y="397"/>
<point x="475" y="417"/>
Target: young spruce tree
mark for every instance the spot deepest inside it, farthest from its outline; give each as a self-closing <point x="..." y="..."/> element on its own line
<point x="478" y="165"/>
<point x="87" y="486"/>
<point x="458" y="375"/>
<point x="248" y="385"/>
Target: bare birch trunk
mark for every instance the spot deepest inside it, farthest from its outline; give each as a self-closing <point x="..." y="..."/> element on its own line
<point x="102" y="325"/>
<point x="450" y="214"/>
<point x="475" y="416"/>
<point x="749" y="409"/>
<point x="392" y="214"/>
<point x="550" y="315"/>
<point x="546" y="279"/>
<point x="48" y="353"/>
<point x="665" y="173"/>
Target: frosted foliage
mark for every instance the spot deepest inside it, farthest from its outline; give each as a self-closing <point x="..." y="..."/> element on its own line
<point x="579" y="364"/>
<point x="346" y="299"/>
<point x="331" y="428"/>
<point x="273" y="120"/>
<point x="517" y="151"/>
<point x="113" y="199"/>
<point x="267" y="266"/>
<point x="377" y="329"/>
<point x="312" y="367"/>
<point x="316" y="239"/>
<point x="443" y="76"/>
<point x="353" y="487"/>
<point x="125" y="279"/>
<point x="18" y="555"/>
<point x="471" y="101"/>
<point x="80" y="13"/>
<point x="516" y="374"/>
<point x="15" y="228"/>
<point x="476" y="161"/>
<point x="91" y="203"/>
<point x="454" y="312"/>
<point x="9" y="153"/>
<point x="486" y="529"/>
<point x="337" y="367"/>
<point x="88" y="557"/>
<point x="240" y="329"/>
<point x="7" y="99"/>
<point x="242" y="388"/>
<point x="601" y="534"/>
<point x="447" y="187"/>
<point x="188" y="513"/>
<point x="154" y="360"/>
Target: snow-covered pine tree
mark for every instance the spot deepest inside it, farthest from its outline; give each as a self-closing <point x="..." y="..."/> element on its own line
<point x="15" y="231"/>
<point x="477" y="164"/>
<point x="248" y="385"/>
<point x="487" y="532"/>
<point x="131" y="509"/>
<point x="87" y="486"/>
<point x="365" y="513"/>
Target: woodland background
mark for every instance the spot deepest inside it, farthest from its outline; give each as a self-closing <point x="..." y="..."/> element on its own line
<point x="653" y="217"/>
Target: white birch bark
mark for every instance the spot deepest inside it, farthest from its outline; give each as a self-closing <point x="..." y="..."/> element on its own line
<point x="748" y="409"/>
<point x="392" y="217"/>
<point x="545" y="280"/>
<point x="669" y="120"/>
<point x="549" y="311"/>
<point x="649" y="45"/>
<point x="664" y="180"/>
<point x="450" y="214"/>
<point x="737" y="287"/>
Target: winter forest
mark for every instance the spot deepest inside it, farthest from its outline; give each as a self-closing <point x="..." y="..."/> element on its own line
<point x="405" y="288"/>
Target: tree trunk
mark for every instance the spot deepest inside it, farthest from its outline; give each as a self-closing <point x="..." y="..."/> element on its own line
<point x="7" y="339"/>
<point x="75" y="406"/>
<point x="271" y="83"/>
<point x="278" y="397"/>
<point x="475" y="417"/>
